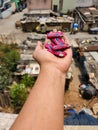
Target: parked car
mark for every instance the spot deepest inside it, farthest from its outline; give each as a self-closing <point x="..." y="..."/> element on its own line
<point x="93" y="30"/>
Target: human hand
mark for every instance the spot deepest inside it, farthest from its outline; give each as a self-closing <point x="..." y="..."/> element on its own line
<point x="47" y="59"/>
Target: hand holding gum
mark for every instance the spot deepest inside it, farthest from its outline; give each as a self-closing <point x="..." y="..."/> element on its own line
<point x="57" y="46"/>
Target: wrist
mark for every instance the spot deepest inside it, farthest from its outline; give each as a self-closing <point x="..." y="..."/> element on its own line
<point x="52" y="76"/>
<point x="52" y="70"/>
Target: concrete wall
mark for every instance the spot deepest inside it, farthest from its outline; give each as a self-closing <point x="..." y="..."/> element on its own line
<point x="83" y="3"/>
<point x="68" y="5"/>
<point x="71" y="4"/>
<point x="63" y="5"/>
<point x="95" y="2"/>
<point x="38" y="4"/>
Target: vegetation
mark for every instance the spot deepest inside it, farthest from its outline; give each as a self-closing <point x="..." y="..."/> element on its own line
<point x="27" y="80"/>
<point x="5" y="78"/>
<point x="19" y="92"/>
<point x="18" y="95"/>
<point x="9" y="55"/>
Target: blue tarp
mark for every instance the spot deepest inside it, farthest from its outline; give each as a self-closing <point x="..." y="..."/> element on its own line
<point x="81" y="118"/>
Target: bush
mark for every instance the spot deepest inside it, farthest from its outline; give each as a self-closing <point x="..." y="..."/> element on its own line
<point x="18" y="94"/>
<point x="9" y="56"/>
<point x="27" y="80"/>
<point x="5" y="78"/>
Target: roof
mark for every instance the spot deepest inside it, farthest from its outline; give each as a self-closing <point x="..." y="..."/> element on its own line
<point x="88" y="13"/>
<point x="91" y="66"/>
<point x="89" y="44"/>
<point x="42" y="12"/>
<point x="27" y="56"/>
<point x="74" y="43"/>
<point x="94" y="55"/>
<point x="92" y="48"/>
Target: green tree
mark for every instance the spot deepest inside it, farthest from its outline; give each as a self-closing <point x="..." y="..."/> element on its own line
<point x="27" y="80"/>
<point x="9" y="55"/>
<point x="18" y="94"/>
<point x="5" y="78"/>
<point x="10" y="59"/>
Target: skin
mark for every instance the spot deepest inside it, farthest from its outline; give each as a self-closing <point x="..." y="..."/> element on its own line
<point x="43" y="109"/>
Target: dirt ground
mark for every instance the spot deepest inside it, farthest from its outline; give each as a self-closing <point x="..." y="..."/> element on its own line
<point x="72" y="96"/>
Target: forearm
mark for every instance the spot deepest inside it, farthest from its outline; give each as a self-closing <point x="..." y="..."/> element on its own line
<point x="44" y="107"/>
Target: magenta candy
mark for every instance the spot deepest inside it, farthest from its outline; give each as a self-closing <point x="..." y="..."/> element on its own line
<point x="57" y="46"/>
<point x="54" y="35"/>
<point x="55" y="52"/>
<point x="60" y="47"/>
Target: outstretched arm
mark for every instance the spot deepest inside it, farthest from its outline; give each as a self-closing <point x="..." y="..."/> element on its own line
<point x="43" y="109"/>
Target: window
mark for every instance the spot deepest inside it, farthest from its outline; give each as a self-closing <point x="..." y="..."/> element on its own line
<point x="55" y="7"/>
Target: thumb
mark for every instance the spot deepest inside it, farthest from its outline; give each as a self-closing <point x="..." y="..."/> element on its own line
<point x="37" y="49"/>
<point x="39" y="46"/>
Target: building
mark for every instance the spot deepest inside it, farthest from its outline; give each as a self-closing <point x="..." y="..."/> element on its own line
<point x="83" y="3"/>
<point x="64" y="6"/>
<point x="60" y="6"/>
<point x="95" y="2"/>
<point x="68" y="5"/>
<point x="57" y="5"/>
<point x="39" y="4"/>
<point x="19" y="5"/>
<point x="88" y="48"/>
<point x="86" y="17"/>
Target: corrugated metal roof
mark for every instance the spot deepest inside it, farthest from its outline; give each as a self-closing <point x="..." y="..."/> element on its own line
<point x="74" y="43"/>
<point x="94" y="55"/>
<point x="92" y="48"/>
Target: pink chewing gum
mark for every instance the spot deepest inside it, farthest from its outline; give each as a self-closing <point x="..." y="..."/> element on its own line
<point x="54" y="34"/>
<point x="61" y="47"/>
<point x="56" y="52"/>
<point x="58" y="40"/>
<point x="58" y="44"/>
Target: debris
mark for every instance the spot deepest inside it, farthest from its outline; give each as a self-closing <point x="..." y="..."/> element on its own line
<point x="87" y="110"/>
<point x="87" y="91"/>
<point x="95" y="108"/>
<point x="69" y="109"/>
